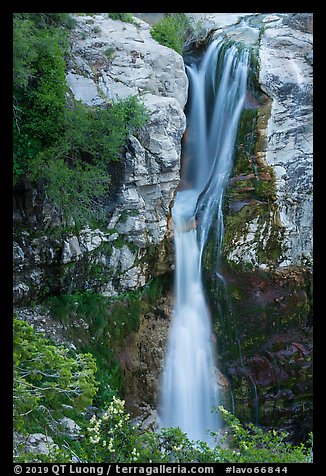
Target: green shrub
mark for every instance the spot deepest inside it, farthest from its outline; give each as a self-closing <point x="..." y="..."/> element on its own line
<point x="110" y="437"/>
<point x="24" y="51"/>
<point x="97" y="134"/>
<point x="109" y="53"/>
<point x="48" y="20"/>
<point x="109" y="375"/>
<point x="171" y="31"/>
<point x="74" y="170"/>
<point x="39" y="85"/>
<point x="64" y="150"/>
<point x="46" y="379"/>
<point x="125" y="17"/>
<point x="72" y="190"/>
<point x="252" y="444"/>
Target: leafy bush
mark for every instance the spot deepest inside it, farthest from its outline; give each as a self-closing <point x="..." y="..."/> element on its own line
<point x="110" y="437"/>
<point x="74" y="170"/>
<point x="65" y="150"/>
<point x="46" y="378"/>
<point x="58" y="20"/>
<point x="171" y="31"/>
<point x="97" y="134"/>
<point x="49" y="378"/>
<point x="252" y="444"/>
<point x="39" y="45"/>
<point x="125" y="17"/>
<point x="72" y="190"/>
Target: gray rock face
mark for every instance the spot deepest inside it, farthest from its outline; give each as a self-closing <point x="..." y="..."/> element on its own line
<point x="286" y="76"/>
<point x="207" y="22"/>
<point x="300" y="21"/>
<point x="152" y="174"/>
<point x="122" y="59"/>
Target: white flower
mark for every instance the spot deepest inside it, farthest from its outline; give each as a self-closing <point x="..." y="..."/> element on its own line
<point x="135" y="454"/>
<point x="95" y="439"/>
<point x="177" y="448"/>
<point x="110" y="445"/>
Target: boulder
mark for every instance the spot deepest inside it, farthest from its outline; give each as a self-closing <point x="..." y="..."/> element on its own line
<point x="70" y="428"/>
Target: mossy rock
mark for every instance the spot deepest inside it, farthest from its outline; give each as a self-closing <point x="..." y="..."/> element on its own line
<point x="261" y="320"/>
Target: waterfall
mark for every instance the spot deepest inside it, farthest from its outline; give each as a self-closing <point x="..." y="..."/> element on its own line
<point x="217" y="89"/>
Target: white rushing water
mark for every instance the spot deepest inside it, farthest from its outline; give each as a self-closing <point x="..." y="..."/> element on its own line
<point x="217" y="89"/>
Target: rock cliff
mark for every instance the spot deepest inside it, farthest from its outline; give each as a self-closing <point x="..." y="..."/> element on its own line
<point x="286" y="76"/>
<point x="111" y="60"/>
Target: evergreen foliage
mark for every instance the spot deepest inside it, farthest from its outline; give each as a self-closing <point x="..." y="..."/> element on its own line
<point x="47" y="378"/>
<point x="172" y="31"/>
<point x="39" y="86"/>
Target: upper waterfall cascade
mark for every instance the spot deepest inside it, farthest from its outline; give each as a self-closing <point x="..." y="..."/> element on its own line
<point x="217" y="90"/>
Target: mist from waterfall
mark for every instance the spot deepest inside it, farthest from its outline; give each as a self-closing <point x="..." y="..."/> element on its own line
<point x="217" y="89"/>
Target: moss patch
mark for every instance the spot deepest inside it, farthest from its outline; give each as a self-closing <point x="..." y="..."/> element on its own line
<point x="253" y="231"/>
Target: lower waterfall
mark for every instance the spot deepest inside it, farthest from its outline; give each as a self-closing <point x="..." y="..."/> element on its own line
<point x="217" y="90"/>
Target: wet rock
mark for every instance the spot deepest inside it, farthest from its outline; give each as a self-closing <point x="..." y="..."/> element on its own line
<point x="205" y="23"/>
